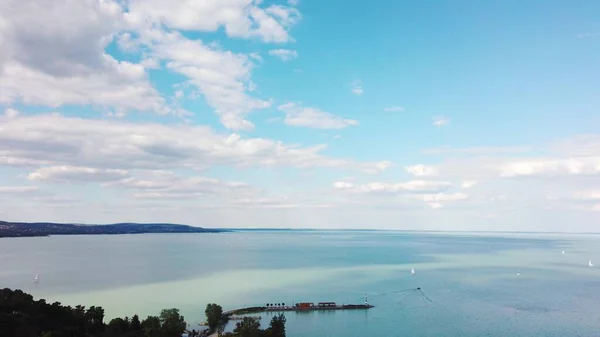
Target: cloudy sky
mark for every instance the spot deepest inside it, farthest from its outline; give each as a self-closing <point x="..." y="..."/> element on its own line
<point x="463" y="115"/>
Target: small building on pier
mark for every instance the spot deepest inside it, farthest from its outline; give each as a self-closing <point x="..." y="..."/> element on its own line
<point x="305" y="305"/>
<point x="326" y="304"/>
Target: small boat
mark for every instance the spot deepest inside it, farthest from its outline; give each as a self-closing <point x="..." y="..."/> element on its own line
<point x="36" y="279"/>
<point x="563" y="252"/>
<point x="412" y="271"/>
<point x="590" y="263"/>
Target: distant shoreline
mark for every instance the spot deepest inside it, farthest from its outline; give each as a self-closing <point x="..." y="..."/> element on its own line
<point x="43" y="229"/>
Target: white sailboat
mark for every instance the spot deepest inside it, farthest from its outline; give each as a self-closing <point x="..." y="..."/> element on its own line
<point x="412" y="271"/>
<point x="563" y="252"/>
<point x="36" y="279"/>
<point x="590" y="263"/>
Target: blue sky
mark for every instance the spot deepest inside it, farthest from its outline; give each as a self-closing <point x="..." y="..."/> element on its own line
<point x="463" y="115"/>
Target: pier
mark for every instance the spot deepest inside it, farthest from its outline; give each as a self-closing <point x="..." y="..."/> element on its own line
<point x="302" y="306"/>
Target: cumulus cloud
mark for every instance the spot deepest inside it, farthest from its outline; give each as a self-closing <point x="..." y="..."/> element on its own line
<point x="581" y="166"/>
<point x="476" y="151"/>
<point x="421" y="170"/>
<point x="239" y="18"/>
<point x="468" y="183"/>
<point x="439" y="200"/>
<point x="167" y="185"/>
<point x="10" y="190"/>
<point x="54" y="62"/>
<point x="284" y="54"/>
<point x="11" y="113"/>
<point x="413" y="186"/>
<point x="298" y="115"/>
<point x="408" y="195"/>
<point x="55" y="140"/>
<point x="68" y="173"/>
<point x="223" y="77"/>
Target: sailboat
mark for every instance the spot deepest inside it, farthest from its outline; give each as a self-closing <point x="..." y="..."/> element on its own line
<point x="590" y="263"/>
<point x="563" y="252"/>
<point x="36" y="279"/>
<point x="412" y="271"/>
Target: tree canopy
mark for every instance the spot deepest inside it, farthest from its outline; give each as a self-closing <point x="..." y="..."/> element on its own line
<point x="214" y="315"/>
<point x="250" y="327"/>
<point x="247" y="327"/>
<point x="277" y="326"/>
<point x="22" y="316"/>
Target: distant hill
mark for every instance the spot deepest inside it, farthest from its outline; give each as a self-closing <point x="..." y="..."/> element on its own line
<point x="24" y="229"/>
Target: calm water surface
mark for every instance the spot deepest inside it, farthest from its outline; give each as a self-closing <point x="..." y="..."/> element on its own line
<point x="479" y="285"/>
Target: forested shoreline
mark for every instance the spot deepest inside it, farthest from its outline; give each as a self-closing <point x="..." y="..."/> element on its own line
<point x="23" y="316"/>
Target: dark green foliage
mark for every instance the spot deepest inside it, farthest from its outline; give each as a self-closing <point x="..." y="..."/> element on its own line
<point x="22" y="316"/>
<point x="117" y="327"/>
<point x="172" y="323"/>
<point x="136" y="325"/>
<point x="247" y="327"/>
<point x="214" y="315"/>
<point x="277" y="326"/>
<point x="151" y="326"/>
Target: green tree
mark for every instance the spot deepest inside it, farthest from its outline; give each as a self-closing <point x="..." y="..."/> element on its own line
<point x="247" y="327"/>
<point x="94" y="319"/>
<point x="214" y="315"/>
<point x="151" y="326"/>
<point x="172" y="323"/>
<point x="277" y="326"/>
<point x="136" y="325"/>
<point x="117" y="327"/>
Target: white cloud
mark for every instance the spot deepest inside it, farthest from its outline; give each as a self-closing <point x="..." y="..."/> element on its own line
<point x="239" y="18"/>
<point x="421" y="170"/>
<point x="439" y="200"/>
<point x="468" y="183"/>
<point x="440" y="121"/>
<point x="10" y="113"/>
<point x="150" y="63"/>
<point x="284" y="54"/>
<point x="223" y="77"/>
<point x="578" y="166"/>
<point x="54" y="140"/>
<point x="127" y="43"/>
<point x="298" y="115"/>
<point x="68" y="173"/>
<point x="9" y="190"/>
<point x="413" y="186"/>
<point x="167" y="185"/>
<point x="54" y="61"/>
<point x="394" y="109"/>
<point x="293" y="2"/>
<point x="342" y="185"/>
<point x="477" y="151"/>
<point x="356" y="87"/>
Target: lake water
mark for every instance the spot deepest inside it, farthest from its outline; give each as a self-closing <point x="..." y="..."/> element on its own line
<point x="479" y="284"/>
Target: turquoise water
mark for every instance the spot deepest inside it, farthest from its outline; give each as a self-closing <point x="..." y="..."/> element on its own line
<point x="479" y="285"/>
